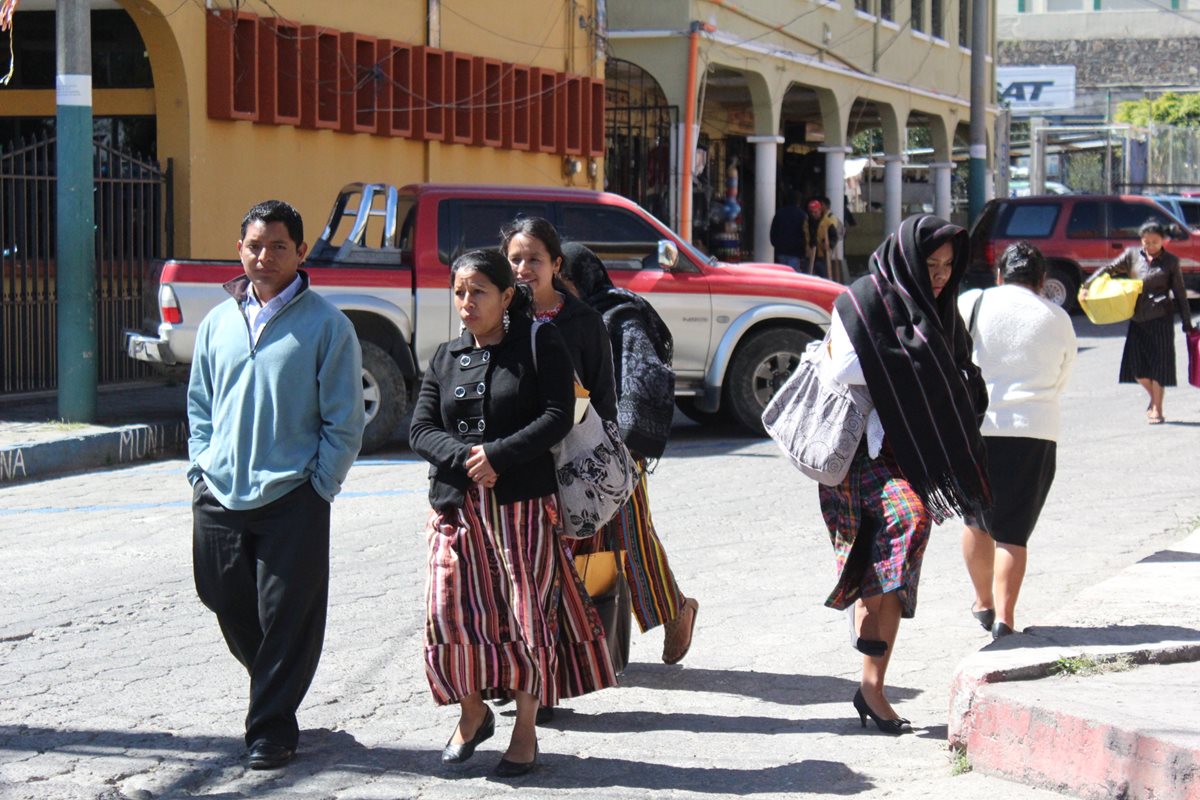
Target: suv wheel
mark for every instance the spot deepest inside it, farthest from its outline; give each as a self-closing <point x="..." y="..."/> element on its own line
<point x="384" y="396"/>
<point x="759" y="367"/>
<point x="1061" y="288"/>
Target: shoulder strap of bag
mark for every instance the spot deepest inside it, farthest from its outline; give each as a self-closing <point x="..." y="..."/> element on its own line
<point x="533" y="329"/>
<point x="975" y="313"/>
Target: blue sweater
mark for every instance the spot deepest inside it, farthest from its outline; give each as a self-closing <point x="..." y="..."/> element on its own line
<point x="267" y="417"/>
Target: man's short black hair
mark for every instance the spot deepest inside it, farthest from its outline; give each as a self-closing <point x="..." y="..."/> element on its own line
<point x="276" y="211"/>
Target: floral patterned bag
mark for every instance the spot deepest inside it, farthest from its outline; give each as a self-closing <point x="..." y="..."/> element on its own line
<point x="595" y="471"/>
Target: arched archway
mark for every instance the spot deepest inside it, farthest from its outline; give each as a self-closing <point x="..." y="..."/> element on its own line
<point x="639" y="124"/>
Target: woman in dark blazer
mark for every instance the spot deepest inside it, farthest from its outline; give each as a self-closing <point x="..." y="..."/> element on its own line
<point x="506" y="618"/>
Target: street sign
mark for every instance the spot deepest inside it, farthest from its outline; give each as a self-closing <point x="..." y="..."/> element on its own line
<point x="1034" y="90"/>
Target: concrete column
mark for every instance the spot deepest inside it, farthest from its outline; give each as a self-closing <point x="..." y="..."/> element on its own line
<point x="942" y="200"/>
<point x="893" y="187"/>
<point x="835" y="186"/>
<point x="766" y="159"/>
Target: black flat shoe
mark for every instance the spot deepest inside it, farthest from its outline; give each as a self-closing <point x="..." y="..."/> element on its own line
<point x="985" y="618"/>
<point x="545" y="715"/>
<point x="513" y="769"/>
<point x="458" y="753"/>
<point x="895" y="727"/>
<point x="1000" y="630"/>
<point x="268" y="755"/>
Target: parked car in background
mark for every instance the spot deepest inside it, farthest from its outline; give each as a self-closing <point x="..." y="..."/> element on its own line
<point x="1185" y="208"/>
<point x="1077" y="233"/>
<point x="1021" y="188"/>
<point x="384" y="260"/>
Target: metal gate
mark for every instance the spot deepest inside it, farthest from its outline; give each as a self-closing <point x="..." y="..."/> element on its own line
<point x="132" y="230"/>
<point x="639" y="161"/>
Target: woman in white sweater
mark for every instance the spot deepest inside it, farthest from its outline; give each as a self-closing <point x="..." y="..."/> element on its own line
<point x="1025" y="347"/>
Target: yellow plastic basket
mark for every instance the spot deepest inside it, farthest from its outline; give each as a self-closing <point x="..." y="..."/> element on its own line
<point x="1110" y="299"/>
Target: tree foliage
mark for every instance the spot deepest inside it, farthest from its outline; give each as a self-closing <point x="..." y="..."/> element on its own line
<point x="1169" y="108"/>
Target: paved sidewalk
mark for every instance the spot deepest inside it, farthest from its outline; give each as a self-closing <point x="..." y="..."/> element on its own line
<point x="1102" y="699"/>
<point x="133" y="423"/>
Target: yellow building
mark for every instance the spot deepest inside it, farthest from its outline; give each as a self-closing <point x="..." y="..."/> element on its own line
<point x="294" y="98"/>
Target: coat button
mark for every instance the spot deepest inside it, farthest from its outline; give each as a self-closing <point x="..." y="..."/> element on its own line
<point x="463" y="427"/>
<point x="486" y="356"/>
<point x="460" y="392"/>
<point x="479" y="387"/>
<point x="481" y="425"/>
<point x="464" y="361"/>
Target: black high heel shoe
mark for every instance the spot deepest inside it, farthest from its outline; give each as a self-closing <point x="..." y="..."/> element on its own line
<point x="512" y="769"/>
<point x="895" y="727"/>
<point x="458" y="753"/>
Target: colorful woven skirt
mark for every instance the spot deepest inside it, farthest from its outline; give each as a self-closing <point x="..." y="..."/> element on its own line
<point x="656" y="596"/>
<point x="505" y="611"/>
<point x="879" y="528"/>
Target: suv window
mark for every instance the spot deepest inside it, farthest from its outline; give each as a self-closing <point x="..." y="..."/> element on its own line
<point x="1125" y="218"/>
<point x="1029" y="220"/>
<point x="1086" y="221"/>
<point x="621" y="239"/>
<point x="469" y="224"/>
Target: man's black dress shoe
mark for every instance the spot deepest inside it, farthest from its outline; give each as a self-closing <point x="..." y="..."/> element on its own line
<point x="458" y="753"/>
<point x="268" y="755"/>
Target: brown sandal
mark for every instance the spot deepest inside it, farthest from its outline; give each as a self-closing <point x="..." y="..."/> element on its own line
<point x="678" y="638"/>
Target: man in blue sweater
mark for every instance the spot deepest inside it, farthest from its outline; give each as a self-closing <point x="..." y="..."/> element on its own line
<point x="276" y="411"/>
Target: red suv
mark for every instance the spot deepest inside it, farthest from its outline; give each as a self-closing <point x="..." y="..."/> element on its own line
<point x="1078" y="234"/>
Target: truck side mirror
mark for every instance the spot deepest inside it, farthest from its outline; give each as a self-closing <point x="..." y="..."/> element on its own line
<point x="668" y="254"/>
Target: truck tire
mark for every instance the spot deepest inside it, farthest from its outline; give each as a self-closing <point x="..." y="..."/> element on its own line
<point x="687" y="405"/>
<point x="1062" y="288"/>
<point x="761" y="364"/>
<point x="384" y="395"/>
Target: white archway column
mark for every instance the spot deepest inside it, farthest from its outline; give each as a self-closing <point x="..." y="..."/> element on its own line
<point x="893" y="189"/>
<point x="766" y="161"/>
<point x="835" y="185"/>
<point x="942" y="200"/>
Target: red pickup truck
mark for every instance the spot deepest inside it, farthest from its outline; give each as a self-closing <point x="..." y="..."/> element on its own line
<point x="384" y="259"/>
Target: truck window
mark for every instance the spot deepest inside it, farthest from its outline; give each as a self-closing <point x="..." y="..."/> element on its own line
<point x="622" y="239"/>
<point x="1086" y="221"/>
<point x="470" y="224"/>
<point x="1125" y="218"/>
<point x="1030" y="221"/>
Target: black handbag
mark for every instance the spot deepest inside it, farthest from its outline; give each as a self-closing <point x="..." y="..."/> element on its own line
<point x="614" y="604"/>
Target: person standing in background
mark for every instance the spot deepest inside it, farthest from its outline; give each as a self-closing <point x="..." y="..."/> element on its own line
<point x="276" y="412"/>
<point x="787" y="232"/>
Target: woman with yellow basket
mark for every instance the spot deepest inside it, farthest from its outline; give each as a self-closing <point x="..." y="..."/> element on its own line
<point x="1149" y="356"/>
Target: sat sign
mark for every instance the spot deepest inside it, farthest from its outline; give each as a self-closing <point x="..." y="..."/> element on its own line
<point x="1033" y="90"/>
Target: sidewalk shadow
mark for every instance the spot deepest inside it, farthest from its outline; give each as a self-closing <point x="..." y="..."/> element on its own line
<point x="638" y="721"/>
<point x="1039" y="636"/>
<point x="774" y="687"/>
<point x="210" y="759"/>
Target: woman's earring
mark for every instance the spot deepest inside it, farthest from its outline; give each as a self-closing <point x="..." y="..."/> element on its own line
<point x="505" y="320"/>
<point x="462" y="328"/>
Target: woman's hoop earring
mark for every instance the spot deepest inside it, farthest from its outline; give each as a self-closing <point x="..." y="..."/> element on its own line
<point x="504" y="320"/>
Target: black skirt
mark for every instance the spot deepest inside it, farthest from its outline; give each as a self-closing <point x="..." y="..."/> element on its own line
<point x="1020" y="471"/>
<point x="1150" y="351"/>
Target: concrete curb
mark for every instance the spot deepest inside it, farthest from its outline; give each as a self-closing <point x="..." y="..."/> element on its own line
<point x="124" y="445"/>
<point x="1081" y="736"/>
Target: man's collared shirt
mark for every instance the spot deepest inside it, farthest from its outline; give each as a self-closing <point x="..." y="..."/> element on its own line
<point x="258" y="315"/>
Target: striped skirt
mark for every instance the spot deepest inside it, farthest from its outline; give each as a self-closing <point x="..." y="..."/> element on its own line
<point x="656" y="596"/>
<point x="505" y="609"/>
<point x="1150" y="351"/>
<point x="879" y="528"/>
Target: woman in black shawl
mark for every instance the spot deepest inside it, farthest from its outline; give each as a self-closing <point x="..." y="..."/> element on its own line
<point x="898" y="332"/>
<point x="641" y="345"/>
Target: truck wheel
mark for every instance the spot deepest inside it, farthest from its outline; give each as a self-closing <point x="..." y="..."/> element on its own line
<point x="384" y="396"/>
<point x="759" y="367"/>
<point x="687" y="405"/>
<point x="1061" y="289"/>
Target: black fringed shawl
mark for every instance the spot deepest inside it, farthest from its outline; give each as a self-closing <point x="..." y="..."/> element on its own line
<point x="916" y="356"/>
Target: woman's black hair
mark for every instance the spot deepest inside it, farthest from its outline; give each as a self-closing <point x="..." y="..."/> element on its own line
<point x="1022" y="263"/>
<point x="495" y="267"/>
<point x="1153" y="226"/>
<point x="535" y="227"/>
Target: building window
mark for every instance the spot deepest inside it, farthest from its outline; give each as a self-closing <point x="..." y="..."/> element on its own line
<point x="887" y="10"/>
<point x="119" y="58"/>
<point x="937" y="26"/>
<point x="964" y="23"/>
<point x="863" y="5"/>
<point x="918" y="16"/>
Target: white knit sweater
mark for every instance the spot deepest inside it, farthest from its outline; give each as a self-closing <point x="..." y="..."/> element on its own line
<point x="1025" y="347"/>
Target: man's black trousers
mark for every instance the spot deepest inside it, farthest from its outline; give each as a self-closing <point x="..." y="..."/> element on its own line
<point x="265" y="574"/>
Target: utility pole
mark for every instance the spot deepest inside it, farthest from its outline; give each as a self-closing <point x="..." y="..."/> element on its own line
<point x="75" y="225"/>
<point x="977" y="182"/>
